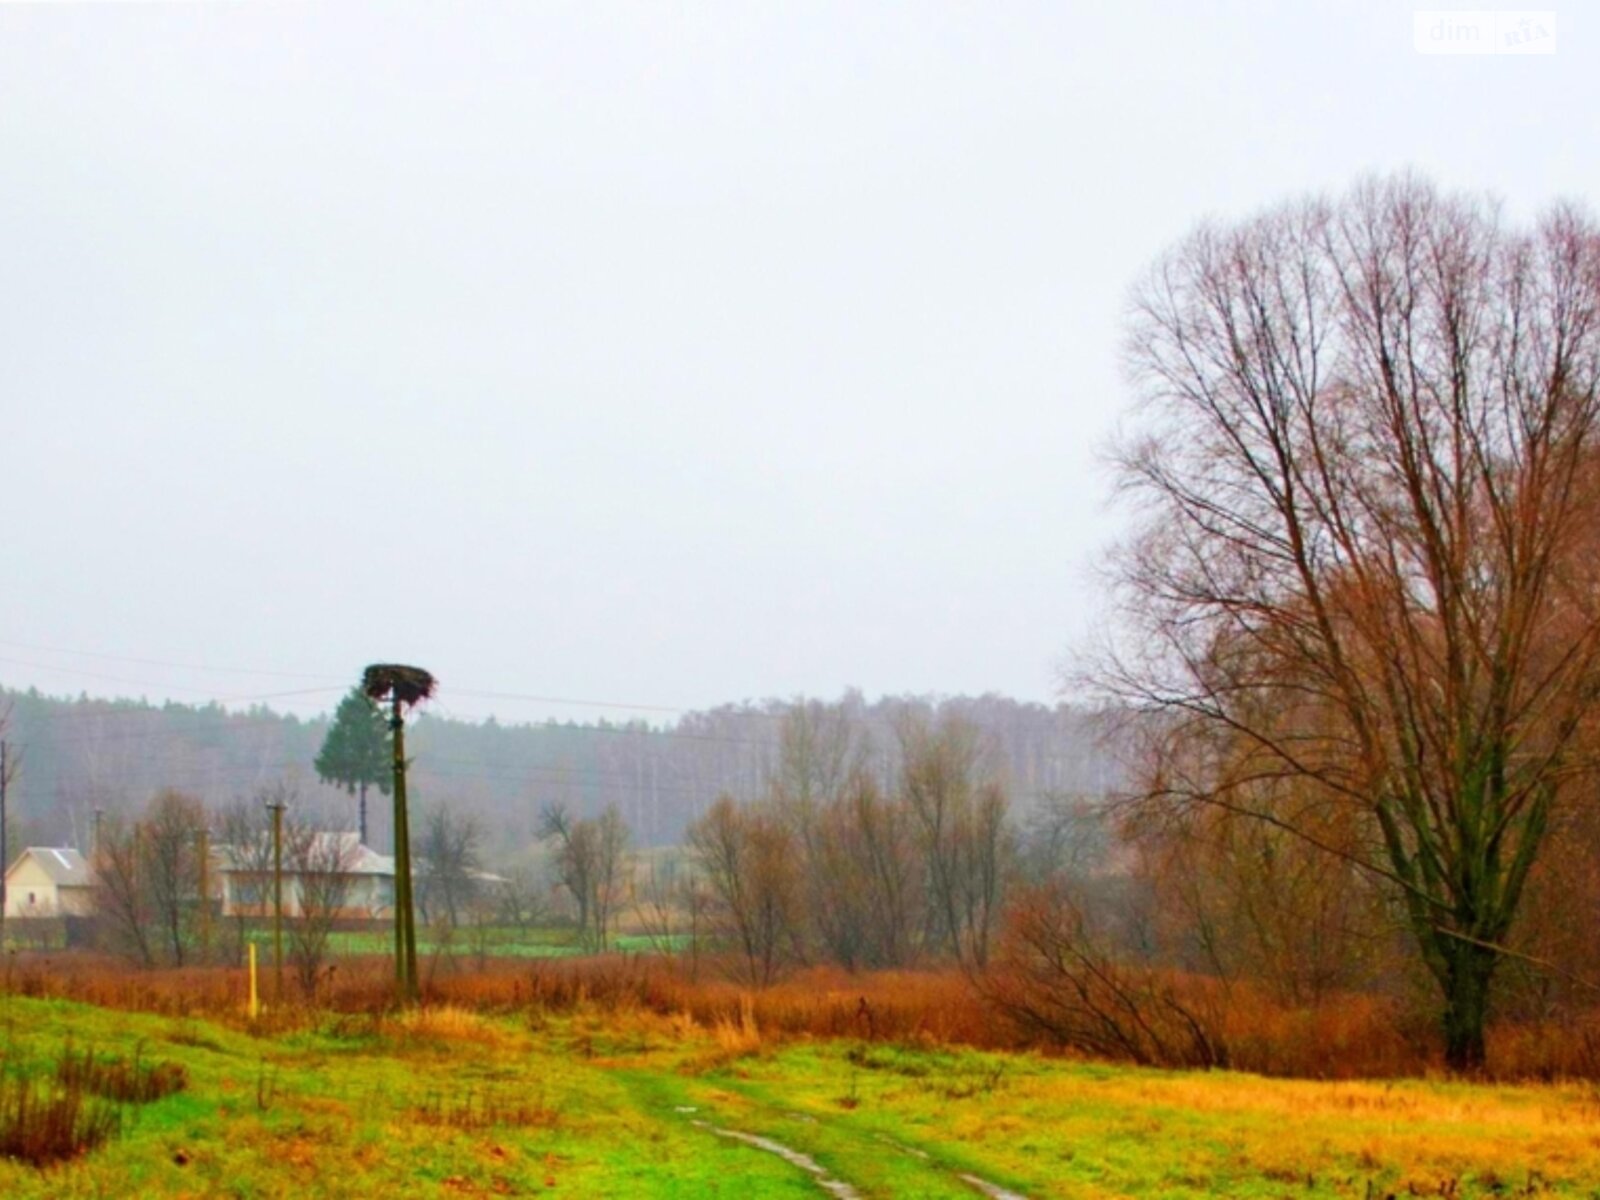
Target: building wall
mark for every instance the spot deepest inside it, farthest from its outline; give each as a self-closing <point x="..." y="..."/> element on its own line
<point x="75" y="901"/>
<point x="30" y="892"/>
<point x="251" y="896"/>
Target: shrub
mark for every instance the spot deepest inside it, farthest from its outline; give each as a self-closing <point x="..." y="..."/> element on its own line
<point x="43" y="1125"/>
<point x="135" y="1082"/>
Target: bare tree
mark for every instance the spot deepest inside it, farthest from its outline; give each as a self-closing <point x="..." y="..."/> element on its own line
<point x="519" y="899"/>
<point x="1058" y="974"/>
<point x="244" y="835"/>
<point x="147" y="878"/>
<point x="121" y="901"/>
<point x="655" y="895"/>
<point x="574" y="856"/>
<point x="883" y="835"/>
<point x="1063" y="835"/>
<point x="959" y="809"/>
<point x="820" y="750"/>
<point x="590" y="860"/>
<point x="169" y="842"/>
<point x="747" y="858"/>
<point x="1367" y="455"/>
<point x="1243" y="899"/>
<point x="820" y="753"/>
<point x="864" y="878"/>
<point x="451" y="860"/>
<point x="610" y="876"/>
<point x="321" y="864"/>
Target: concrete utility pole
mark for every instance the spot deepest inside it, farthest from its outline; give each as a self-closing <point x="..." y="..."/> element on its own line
<point x="276" y="808"/>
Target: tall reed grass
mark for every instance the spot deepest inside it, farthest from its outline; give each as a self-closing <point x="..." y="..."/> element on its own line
<point x="1351" y="1036"/>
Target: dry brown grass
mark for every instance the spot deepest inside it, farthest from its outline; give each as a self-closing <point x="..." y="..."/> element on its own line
<point x="127" y="1082"/>
<point x="1356" y="1036"/>
<point x="450" y="1023"/>
<point x="40" y="1125"/>
<point x="475" y="1110"/>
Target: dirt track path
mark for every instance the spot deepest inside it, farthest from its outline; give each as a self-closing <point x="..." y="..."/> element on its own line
<point x="842" y="1159"/>
<point x="789" y="1154"/>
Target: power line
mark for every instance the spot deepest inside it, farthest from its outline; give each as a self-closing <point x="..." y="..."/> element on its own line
<point x="164" y="726"/>
<point x="157" y="662"/>
<point x="618" y="704"/>
<point x="475" y="693"/>
<point x="145" y="683"/>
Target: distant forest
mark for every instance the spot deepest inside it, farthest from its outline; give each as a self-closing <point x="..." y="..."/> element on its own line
<point x="83" y="754"/>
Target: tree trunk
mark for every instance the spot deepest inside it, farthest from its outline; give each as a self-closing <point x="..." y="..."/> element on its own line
<point x="361" y="811"/>
<point x="1469" y="971"/>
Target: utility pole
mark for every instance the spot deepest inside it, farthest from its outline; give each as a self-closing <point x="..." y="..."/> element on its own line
<point x="204" y="850"/>
<point x="404" y="687"/>
<point x="96" y="849"/>
<point x="5" y="847"/>
<point x="405" y="947"/>
<point x="276" y="808"/>
<point x="9" y="763"/>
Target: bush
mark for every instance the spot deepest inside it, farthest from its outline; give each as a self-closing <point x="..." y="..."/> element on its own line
<point x="137" y="1082"/>
<point x="42" y="1125"/>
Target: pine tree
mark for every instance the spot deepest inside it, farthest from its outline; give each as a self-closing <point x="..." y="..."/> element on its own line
<point x="356" y="752"/>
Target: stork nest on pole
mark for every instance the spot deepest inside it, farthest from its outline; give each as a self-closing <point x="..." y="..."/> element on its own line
<point x="409" y="685"/>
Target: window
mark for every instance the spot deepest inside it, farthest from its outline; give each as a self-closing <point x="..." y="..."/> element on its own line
<point x="248" y="889"/>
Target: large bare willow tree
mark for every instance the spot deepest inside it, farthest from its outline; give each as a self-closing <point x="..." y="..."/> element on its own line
<point x="1364" y="468"/>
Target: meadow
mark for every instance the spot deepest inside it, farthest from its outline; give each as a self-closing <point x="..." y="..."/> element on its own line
<point x="580" y="1089"/>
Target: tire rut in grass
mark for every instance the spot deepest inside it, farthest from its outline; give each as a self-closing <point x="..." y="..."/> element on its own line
<point x="992" y="1190"/>
<point x="790" y="1155"/>
<point x="835" y="1186"/>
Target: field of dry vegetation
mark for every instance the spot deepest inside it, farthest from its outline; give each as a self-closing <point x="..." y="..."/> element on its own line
<point x="624" y="1076"/>
<point x="1349" y="1036"/>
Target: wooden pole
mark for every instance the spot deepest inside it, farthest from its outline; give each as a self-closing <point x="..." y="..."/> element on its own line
<point x="204" y="850"/>
<point x="5" y="849"/>
<point x="255" y="1001"/>
<point x="405" y="929"/>
<point x="277" y="898"/>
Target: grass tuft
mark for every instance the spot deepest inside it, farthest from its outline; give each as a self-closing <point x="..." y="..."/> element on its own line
<point x="136" y="1082"/>
<point x="40" y="1125"/>
<point x="472" y="1111"/>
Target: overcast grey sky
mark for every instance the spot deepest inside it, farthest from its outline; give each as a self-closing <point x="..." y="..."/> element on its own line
<point x="664" y="354"/>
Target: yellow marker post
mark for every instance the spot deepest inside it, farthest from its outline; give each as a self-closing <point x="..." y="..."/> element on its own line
<point x="255" y="1004"/>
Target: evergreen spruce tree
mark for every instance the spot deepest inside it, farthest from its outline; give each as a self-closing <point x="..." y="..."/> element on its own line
<point x="356" y="752"/>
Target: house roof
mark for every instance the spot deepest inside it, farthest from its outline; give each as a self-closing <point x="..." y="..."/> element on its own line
<point x="344" y="848"/>
<point x="65" y="866"/>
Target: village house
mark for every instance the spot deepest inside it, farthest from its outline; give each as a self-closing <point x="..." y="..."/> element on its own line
<point x="49" y="882"/>
<point x="334" y="868"/>
<point x="362" y="879"/>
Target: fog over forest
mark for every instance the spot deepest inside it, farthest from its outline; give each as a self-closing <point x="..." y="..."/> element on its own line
<point x="84" y="754"/>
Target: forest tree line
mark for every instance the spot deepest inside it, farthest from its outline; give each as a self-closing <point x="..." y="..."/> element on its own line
<point x="86" y="754"/>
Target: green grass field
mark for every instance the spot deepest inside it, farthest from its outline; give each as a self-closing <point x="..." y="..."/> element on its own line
<point x="449" y="1103"/>
<point x="497" y="942"/>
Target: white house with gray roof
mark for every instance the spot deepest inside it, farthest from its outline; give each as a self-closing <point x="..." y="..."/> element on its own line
<point x="364" y="887"/>
<point x="46" y="881"/>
